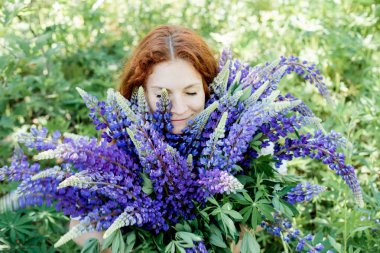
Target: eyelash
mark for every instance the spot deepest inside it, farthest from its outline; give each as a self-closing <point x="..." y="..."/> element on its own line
<point x="189" y="93"/>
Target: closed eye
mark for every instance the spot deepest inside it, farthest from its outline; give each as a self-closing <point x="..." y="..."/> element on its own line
<point x="191" y="93"/>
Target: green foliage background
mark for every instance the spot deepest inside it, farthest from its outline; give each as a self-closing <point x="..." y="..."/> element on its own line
<point x="47" y="48"/>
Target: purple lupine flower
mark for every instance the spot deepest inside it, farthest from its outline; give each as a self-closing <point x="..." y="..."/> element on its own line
<point x="237" y="141"/>
<point x="38" y="139"/>
<point x="324" y="148"/>
<point x="303" y="192"/>
<point x="275" y="71"/>
<point x="199" y="247"/>
<point x="168" y="172"/>
<point x="282" y="225"/>
<point x="217" y="181"/>
<point x="20" y="169"/>
<point x="235" y="66"/>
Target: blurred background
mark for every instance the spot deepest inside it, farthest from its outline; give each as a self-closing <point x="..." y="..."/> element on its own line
<point x="47" y="48"/>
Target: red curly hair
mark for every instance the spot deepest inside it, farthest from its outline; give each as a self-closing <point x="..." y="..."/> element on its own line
<point x="164" y="43"/>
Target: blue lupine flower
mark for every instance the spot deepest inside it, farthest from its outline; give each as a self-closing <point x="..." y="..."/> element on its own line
<point x="303" y="192"/>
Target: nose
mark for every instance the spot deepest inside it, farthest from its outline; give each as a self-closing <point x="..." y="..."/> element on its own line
<point x="178" y="106"/>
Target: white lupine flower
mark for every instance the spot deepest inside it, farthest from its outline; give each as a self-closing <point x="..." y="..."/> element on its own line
<point x="231" y="184"/>
<point x="283" y="170"/>
<point x="268" y="150"/>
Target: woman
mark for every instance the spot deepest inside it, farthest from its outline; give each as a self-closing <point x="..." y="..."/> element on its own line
<point x="174" y="58"/>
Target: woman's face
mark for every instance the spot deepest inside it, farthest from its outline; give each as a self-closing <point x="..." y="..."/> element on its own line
<point x="184" y="85"/>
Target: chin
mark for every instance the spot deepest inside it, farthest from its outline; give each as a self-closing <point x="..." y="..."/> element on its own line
<point x="177" y="129"/>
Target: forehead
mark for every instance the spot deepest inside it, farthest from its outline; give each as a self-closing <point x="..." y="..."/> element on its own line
<point x="174" y="74"/>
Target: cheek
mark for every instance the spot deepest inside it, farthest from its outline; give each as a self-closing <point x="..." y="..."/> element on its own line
<point x="197" y="104"/>
<point x="152" y="101"/>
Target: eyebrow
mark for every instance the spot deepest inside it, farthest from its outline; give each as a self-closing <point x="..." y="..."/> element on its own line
<point x="188" y="86"/>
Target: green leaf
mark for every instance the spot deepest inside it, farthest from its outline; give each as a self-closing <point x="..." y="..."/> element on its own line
<point x="188" y="236"/>
<point x="239" y="198"/>
<point x="246" y="93"/>
<point x="216" y="236"/>
<point x="180" y="248"/>
<point x="187" y="239"/>
<point x="109" y="240"/>
<point x="266" y="210"/>
<point x="91" y="246"/>
<point x="255" y="218"/>
<point x="276" y="204"/>
<point x="247" y="197"/>
<point x="170" y="248"/>
<point x="333" y="243"/>
<point x="187" y="227"/>
<point x="227" y="222"/>
<point x="204" y="215"/>
<point x="258" y="195"/>
<point x="249" y="244"/>
<point x="147" y="184"/>
<point x="130" y="242"/>
<point x="289" y="210"/>
<point x="212" y="200"/>
<point x="245" y="179"/>
<point x="217" y="241"/>
<point x="246" y="212"/>
<point x="227" y="206"/>
<point x="234" y="214"/>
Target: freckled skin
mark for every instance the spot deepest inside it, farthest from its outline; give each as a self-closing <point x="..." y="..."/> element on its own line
<point x="184" y="85"/>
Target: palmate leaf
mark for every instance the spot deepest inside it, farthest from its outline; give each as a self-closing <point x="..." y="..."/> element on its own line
<point x="16" y="226"/>
<point x="216" y="237"/>
<point x="91" y="245"/>
<point x="117" y="242"/>
<point x="249" y="243"/>
<point x="183" y="240"/>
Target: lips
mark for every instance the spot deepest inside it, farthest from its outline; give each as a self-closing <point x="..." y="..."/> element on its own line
<point x="180" y="120"/>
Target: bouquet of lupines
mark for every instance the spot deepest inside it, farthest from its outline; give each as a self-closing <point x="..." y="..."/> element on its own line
<point x="200" y="191"/>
